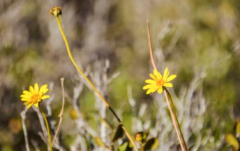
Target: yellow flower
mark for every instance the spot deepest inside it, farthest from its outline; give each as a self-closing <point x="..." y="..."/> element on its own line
<point x="158" y="81"/>
<point x="34" y="95"/>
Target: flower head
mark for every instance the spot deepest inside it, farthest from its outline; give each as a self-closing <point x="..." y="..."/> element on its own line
<point x="34" y="95"/>
<point x="56" y="11"/>
<point x="158" y="81"/>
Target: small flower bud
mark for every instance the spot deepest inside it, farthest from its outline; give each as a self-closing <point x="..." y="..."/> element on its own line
<point x="73" y="114"/>
<point x="56" y="11"/>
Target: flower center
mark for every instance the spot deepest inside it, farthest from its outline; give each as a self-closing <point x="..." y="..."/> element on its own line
<point x="35" y="97"/>
<point x="160" y="82"/>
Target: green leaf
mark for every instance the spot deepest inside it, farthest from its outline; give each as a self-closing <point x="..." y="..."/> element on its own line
<point x="118" y="133"/>
<point x="123" y="147"/>
<point x="126" y="146"/>
<point x="231" y="140"/>
<point x="151" y="144"/>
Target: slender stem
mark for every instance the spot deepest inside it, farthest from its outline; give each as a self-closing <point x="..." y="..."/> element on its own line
<point x="175" y="121"/>
<point x="61" y="112"/>
<point x="90" y="83"/>
<point x="170" y="103"/>
<point x="76" y="66"/>
<point x="150" y="46"/>
<point x="48" y="130"/>
<point x="23" y="116"/>
<point x="142" y="147"/>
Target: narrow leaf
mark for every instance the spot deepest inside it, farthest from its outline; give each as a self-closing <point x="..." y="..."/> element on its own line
<point x="118" y="133"/>
<point x="123" y="147"/>
<point x="151" y="144"/>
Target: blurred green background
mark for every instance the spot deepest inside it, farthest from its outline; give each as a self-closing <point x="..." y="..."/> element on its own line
<point x="188" y="37"/>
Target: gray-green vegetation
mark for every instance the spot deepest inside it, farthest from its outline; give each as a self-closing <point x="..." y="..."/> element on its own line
<point x="197" y="40"/>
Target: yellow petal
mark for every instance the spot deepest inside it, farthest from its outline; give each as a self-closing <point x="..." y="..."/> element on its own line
<point x="26" y="103"/>
<point x="154" y="89"/>
<point x="168" y="85"/>
<point x="45" y="97"/>
<point x="157" y="74"/>
<point x="150" y="81"/>
<point x="149" y="91"/>
<point x="165" y="75"/>
<point x="26" y="92"/>
<point x="31" y="90"/>
<point x="147" y="87"/>
<point x="153" y="76"/>
<point x="160" y="90"/>
<point x="24" y="96"/>
<point x="36" y="88"/>
<point x="25" y="99"/>
<point x="29" y="105"/>
<point x="36" y="105"/>
<point x="43" y="89"/>
<point x="171" y="78"/>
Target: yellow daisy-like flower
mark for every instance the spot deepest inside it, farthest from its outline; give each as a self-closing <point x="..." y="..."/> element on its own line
<point x="158" y="81"/>
<point x="34" y="95"/>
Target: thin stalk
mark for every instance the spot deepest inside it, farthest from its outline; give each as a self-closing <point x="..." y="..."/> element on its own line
<point x="91" y="84"/>
<point x="23" y="116"/>
<point x="142" y="147"/>
<point x="48" y="130"/>
<point x="150" y="46"/>
<point x="61" y="112"/>
<point x="170" y="103"/>
<point x="175" y="120"/>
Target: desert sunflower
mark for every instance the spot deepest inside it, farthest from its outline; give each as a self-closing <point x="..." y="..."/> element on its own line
<point x="158" y="81"/>
<point x="35" y="95"/>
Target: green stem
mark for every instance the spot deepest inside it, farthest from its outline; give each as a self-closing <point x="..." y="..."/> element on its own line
<point x="91" y="84"/>
<point x="48" y="130"/>
<point x="169" y="102"/>
<point x="142" y="147"/>
<point x="175" y="120"/>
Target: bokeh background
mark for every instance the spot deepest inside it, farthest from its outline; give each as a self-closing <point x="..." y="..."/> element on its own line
<point x="197" y="40"/>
